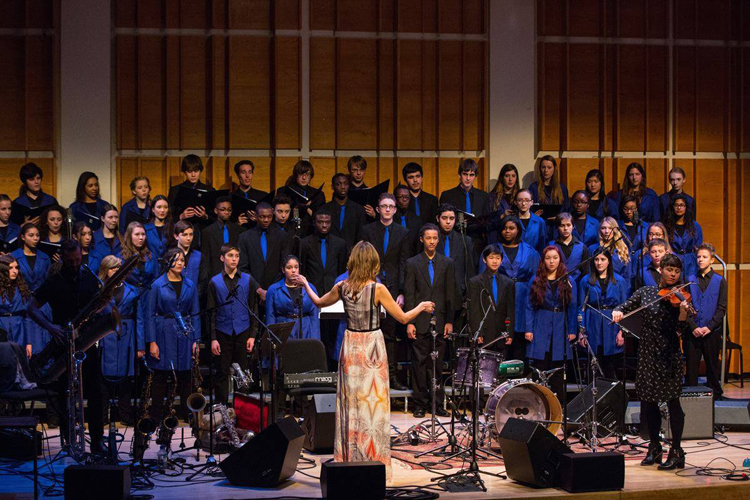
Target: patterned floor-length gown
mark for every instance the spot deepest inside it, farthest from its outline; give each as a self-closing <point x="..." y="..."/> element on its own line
<point x="363" y="406"/>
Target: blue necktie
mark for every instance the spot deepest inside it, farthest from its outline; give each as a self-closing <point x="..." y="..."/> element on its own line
<point x="403" y="220"/>
<point x="226" y="234"/>
<point x="264" y="244"/>
<point x="494" y="288"/>
<point x="247" y="196"/>
<point x="468" y="202"/>
<point x="447" y="247"/>
<point x="431" y="270"/>
<point x="385" y="241"/>
<point x="416" y="205"/>
<point x="323" y="251"/>
<point x="341" y="217"/>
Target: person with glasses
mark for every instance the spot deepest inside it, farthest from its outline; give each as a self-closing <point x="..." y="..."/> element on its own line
<point x="635" y="233"/>
<point x="391" y="240"/>
<point x="684" y="233"/>
<point x="585" y="227"/>
<point x="220" y="233"/>
<point x="534" y="227"/>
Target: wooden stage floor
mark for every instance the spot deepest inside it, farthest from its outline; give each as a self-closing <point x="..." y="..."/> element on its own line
<point x="640" y="482"/>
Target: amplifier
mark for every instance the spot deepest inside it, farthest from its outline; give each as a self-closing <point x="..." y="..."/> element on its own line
<point x="698" y="405"/>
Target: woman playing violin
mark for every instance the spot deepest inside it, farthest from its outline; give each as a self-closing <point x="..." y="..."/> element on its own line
<point x="659" y="373"/>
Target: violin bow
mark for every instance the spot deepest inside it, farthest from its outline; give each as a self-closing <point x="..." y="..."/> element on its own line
<point x="673" y="291"/>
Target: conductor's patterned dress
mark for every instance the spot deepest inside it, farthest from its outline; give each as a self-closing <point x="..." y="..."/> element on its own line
<point x="659" y="375"/>
<point x="363" y="406"/>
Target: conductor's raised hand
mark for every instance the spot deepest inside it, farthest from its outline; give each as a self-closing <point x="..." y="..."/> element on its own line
<point x="299" y="280"/>
<point x="427" y="306"/>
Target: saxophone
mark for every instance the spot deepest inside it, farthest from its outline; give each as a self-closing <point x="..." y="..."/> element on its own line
<point x="228" y="424"/>
<point x="196" y="402"/>
<point x="145" y="425"/>
<point x="168" y="424"/>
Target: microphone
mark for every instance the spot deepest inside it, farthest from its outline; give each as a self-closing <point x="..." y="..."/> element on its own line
<point x="243" y="381"/>
<point x="461" y="220"/>
<point x="636" y="216"/>
<point x="507" y="328"/>
<point x="181" y="326"/>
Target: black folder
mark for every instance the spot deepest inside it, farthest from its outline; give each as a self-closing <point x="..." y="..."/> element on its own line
<point x="20" y="212"/>
<point x="188" y="197"/>
<point x="50" y="249"/>
<point x="240" y="204"/>
<point x="369" y="196"/>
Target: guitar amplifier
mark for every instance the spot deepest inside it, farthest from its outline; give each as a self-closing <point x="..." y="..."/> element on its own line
<point x="698" y="405"/>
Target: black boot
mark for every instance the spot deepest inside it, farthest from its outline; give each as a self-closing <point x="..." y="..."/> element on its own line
<point x="655" y="452"/>
<point x="675" y="459"/>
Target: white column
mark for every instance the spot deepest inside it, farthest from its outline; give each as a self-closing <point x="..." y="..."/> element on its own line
<point x="86" y="129"/>
<point x="512" y="85"/>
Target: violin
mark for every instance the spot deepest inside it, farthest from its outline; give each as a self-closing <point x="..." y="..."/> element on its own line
<point x="677" y="296"/>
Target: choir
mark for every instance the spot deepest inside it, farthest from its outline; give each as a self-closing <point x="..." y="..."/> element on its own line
<point x="464" y="251"/>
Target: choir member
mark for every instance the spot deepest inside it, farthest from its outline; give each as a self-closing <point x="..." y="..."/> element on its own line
<point x="547" y="188"/>
<point x="31" y="195"/>
<point x="89" y="206"/>
<point x="602" y="289"/>
<point x="347" y="217"/>
<point x="159" y="229"/>
<point x="298" y="187"/>
<point x="631" y="225"/>
<point x="9" y="231"/>
<point x="423" y="204"/>
<point x="138" y="209"/>
<point x="84" y="236"/>
<point x="503" y="195"/>
<point x="571" y="248"/>
<point x="391" y="241"/>
<point x="106" y="239"/>
<point x="232" y="328"/>
<point x="453" y="244"/>
<point x="191" y="167"/>
<point x="709" y="296"/>
<point x="287" y="301"/>
<point x="14" y="300"/>
<point x="221" y="232"/>
<point x="656" y="231"/>
<point x="611" y="239"/>
<point x="465" y="196"/>
<point x="685" y="234"/>
<point x="134" y="244"/>
<point x="282" y="212"/>
<point x="534" y="227"/>
<point x="550" y="316"/>
<point x="357" y="167"/>
<point x="431" y="277"/>
<point x="598" y="203"/>
<point x="677" y="182"/>
<point x="119" y="352"/>
<point x="261" y="250"/>
<point x="183" y="234"/>
<point x="657" y="250"/>
<point x="585" y="226"/>
<point x="171" y="349"/>
<point x="496" y="291"/>
<point x="634" y="184"/>
<point x="407" y="219"/>
<point x="53" y="227"/>
<point x="34" y="264"/>
<point x="244" y="170"/>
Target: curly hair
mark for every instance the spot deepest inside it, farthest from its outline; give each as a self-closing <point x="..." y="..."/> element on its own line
<point x="539" y="285"/>
<point x="670" y="222"/>
<point x="8" y="287"/>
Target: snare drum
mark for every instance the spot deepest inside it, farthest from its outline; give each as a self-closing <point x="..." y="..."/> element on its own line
<point x="488" y="364"/>
<point x="524" y="399"/>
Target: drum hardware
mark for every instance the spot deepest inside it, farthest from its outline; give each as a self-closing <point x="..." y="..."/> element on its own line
<point x="526" y="399"/>
<point x="435" y="428"/>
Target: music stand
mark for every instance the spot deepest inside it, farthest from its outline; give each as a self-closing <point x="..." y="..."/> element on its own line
<point x="272" y="348"/>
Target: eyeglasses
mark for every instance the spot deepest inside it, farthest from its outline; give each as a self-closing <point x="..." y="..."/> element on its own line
<point x="387" y="207"/>
<point x="680" y="205"/>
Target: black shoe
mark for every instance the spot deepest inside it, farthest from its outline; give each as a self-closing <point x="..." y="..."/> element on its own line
<point x="98" y="447"/>
<point x="418" y="413"/>
<point x="655" y="452"/>
<point x="53" y="423"/>
<point x="440" y="412"/>
<point x="398" y="386"/>
<point x="675" y="459"/>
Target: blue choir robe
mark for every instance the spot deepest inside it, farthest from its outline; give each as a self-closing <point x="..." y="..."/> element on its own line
<point x="666" y="198"/>
<point x="521" y="271"/>
<point x="280" y="309"/>
<point x="576" y="256"/>
<point x="91" y="219"/>
<point x="13" y="317"/>
<point x="131" y="207"/>
<point x="624" y="270"/>
<point x="157" y="244"/>
<point x="37" y="336"/>
<point x="705" y="302"/>
<point x="159" y="326"/>
<point x="590" y="231"/>
<point x="684" y="247"/>
<point x="599" y="213"/>
<point x="648" y="209"/>
<point x="12" y="234"/>
<point x="143" y="274"/>
<point x="534" y="190"/>
<point x="599" y="330"/>
<point x="193" y="266"/>
<point x="100" y="248"/>
<point x="548" y="326"/>
<point x="640" y="235"/>
<point x="45" y="201"/>
<point x="535" y="235"/>
<point x="119" y="354"/>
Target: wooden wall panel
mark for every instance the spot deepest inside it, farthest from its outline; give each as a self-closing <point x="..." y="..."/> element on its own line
<point x="357" y="15"/>
<point x="450" y="95"/>
<point x="431" y="99"/>
<point x="584" y="98"/>
<point x="39" y="94"/>
<point x="551" y="128"/>
<point x="322" y="93"/>
<point x="287" y="89"/>
<point x="356" y="94"/>
<point x="712" y="98"/>
<point x="473" y="97"/>
<point x="150" y="97"/>
<point x="684" y="97"/>
<point x="193" y="105"/>
<point x="12" y="94"/>
<point x="217" y="46"/>
<point x="323" y="15"/>
<point x="386" y="94"/>
<point x="249" y="106"/>
<point x="409" y="91"/>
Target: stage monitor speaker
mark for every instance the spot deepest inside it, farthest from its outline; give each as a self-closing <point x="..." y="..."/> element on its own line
<point x="320" y="424"/>
<point x="97" y="481"/>
<point x="698" y="405"/>
<point x="269" y="458"/>
<point x="347" y="480"/>
<point x="610" y="406"/>
<point x="531" y="452"/>
<point x="582" y="472"/>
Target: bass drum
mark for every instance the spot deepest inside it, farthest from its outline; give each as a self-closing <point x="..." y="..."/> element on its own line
<point x="523" y="398"/>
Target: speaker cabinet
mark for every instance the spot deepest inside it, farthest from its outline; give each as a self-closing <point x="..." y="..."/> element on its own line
<point x="97" y="481"/>
<point x="581" y="472"/>
<point x="698" y="405"/>
<point x="532" y="454"/>
<point x="347" y="480"/>
<point x="320" y="423"/>
<point x="269" y="458"/>
<point x="611" y="401"/>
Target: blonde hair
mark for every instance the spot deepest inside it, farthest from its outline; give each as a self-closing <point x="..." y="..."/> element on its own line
<point x="108" y="262"/>
<point x="363" y="266"/>
<point x="622" y="249"/>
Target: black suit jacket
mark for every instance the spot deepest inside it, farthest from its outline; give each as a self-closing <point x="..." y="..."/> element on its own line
<point x="442" y="292"/>
<point x="212" y="238"/>
<point x="428" y="207"/>
<point x="413" y="225"/>
<point x="265" y="272"/>
<point x="393" y="261"/>
<point x="175" y="214"/>
<point x="306" y="226"/>
<point x="480" y="300"/>
<point x="480" y="200"/>
<point x="311" y="263"/>
<point x="465" y="270"/>
<point x="355" y="219"/>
